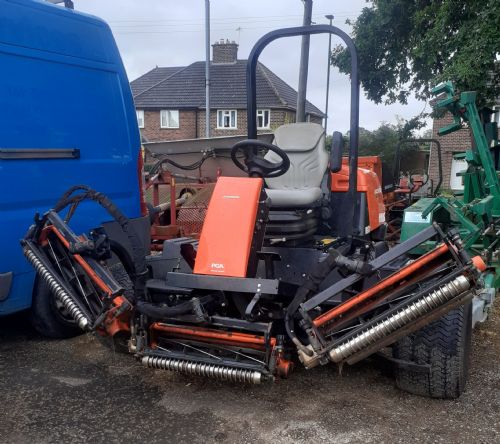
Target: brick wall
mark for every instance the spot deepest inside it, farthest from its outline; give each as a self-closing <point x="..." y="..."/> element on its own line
<point x="278" y="117"/>
<point x="241" y="124"/>
<point x="224" y="52"/>
<point x="192" y="124"/>
<point x="152" y="130"/>
<point x="455" y="142"/>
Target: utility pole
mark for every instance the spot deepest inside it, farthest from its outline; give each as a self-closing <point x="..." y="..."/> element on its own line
<point x="207" y="68"/>
<point x="304" y="64"/>
<point x="329" y="17"/>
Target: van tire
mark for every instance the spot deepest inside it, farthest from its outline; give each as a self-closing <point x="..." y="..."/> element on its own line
<point x="45" y="316"/>
<point x="445" y="345"/>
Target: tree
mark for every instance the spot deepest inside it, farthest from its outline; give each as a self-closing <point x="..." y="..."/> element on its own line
<point x="383" y="141"/>
<point x="410" y="46"/>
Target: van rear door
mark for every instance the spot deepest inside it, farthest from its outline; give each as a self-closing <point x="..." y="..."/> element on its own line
<point x="66" y="117"/>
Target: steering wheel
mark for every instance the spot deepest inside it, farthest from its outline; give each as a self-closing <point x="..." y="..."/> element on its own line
<point x="254" y="164"/>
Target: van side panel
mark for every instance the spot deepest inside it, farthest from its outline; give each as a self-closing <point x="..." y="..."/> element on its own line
<point x="62" y="86"/>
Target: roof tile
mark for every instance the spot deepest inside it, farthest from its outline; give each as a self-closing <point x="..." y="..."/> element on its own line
<point x="151" y="78"/>
<point x="179" y="87"/>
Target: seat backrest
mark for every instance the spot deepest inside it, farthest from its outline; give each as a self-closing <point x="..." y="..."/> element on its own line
<point x="305" y="145"/>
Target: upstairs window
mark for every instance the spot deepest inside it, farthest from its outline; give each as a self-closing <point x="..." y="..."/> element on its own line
<point x="226" y="119"/>
<point x="140" y="117"/>
<point x="263" y="119"/>
<point x="169" y="118"/>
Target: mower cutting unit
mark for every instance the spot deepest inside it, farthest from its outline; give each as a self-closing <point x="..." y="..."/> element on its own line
<point x="283" y="269"/>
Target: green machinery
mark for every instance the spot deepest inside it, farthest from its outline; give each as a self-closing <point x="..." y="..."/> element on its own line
<point x="476" y="212"/>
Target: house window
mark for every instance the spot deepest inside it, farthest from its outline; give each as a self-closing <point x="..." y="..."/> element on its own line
<point x="226" y="119"/>
<point x="458" y="165"/>
<point x="263" y="118"/>
<point x="140" y="117"/>
<point x="169" y="118"/>
<point x="496" y="114"/>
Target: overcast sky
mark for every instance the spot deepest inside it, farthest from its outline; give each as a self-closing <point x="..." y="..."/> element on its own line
<point x="171" y="33"/>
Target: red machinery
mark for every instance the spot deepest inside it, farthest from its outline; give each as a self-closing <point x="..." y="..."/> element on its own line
<point x="286" y="270"/>
<point x="177" y="210"/>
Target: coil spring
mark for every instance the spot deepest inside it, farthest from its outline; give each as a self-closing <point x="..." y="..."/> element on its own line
<point x="396" y="321"/>
<point x="220" y="372"/>
<point x="59" y="292"/>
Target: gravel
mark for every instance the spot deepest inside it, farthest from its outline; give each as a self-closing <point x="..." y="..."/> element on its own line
<point x="79" y="391"/>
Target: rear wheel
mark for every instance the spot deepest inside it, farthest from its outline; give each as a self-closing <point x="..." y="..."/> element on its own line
<point x="48" y="316"/>
<point x="445" y="346"/>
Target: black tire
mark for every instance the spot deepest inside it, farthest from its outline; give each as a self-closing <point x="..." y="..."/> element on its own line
<point x="47" y="318"/>
<point x="122" y="277"/>
<point x="445" y="345"/>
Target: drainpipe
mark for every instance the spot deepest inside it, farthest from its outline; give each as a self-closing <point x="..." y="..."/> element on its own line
<point x="207" y="68"/>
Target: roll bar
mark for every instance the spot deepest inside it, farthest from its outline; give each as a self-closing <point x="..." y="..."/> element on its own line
<point x="349" y="228"/>
<point x="397" y="160"/>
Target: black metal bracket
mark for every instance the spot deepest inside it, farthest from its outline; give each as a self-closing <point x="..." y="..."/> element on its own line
<point x="376" y="264"/>
<point x="250" y="307"/>
<point x="222" y="283"/>
<point x="406" y="365"/>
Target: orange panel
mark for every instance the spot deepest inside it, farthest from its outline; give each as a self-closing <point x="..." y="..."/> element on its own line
<point x="369" y="183"/>
<point x="226" y="237"/>
<point x="372" y="163"/>
<point x="393" y="279"/>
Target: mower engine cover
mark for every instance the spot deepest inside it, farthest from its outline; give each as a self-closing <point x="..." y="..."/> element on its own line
<point x="372" y="215"/>
<point x="233" y="228"/>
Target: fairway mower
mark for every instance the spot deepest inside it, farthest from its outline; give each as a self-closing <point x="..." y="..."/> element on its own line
<point x="291" y="268"/>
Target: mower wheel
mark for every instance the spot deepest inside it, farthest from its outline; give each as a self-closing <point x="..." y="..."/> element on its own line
<point x="48" y="317"/>
<point x="445" y="346"/>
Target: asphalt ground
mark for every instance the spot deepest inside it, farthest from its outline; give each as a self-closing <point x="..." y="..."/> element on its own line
<point x="79" y="390"/>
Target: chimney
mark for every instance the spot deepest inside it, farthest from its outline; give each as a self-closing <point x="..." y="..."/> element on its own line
<point x="224" y="51"/>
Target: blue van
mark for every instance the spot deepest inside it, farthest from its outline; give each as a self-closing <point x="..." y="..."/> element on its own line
<point x="66" y="117"/>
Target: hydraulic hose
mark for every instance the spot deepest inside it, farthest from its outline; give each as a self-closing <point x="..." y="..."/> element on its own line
<point x="190" y="167"/>
<point x="159" y="312"/>
<point x="156" y="311"/>
<point x="138" y="253"/>
<point x="312" y="283"/>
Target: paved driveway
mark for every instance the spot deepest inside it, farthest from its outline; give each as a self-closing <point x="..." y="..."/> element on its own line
<point x="79" y="391"/>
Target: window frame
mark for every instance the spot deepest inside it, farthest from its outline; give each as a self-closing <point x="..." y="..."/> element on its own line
<point x="263" y="111"/>
<point x="170" y="126"/>
<point x="496" y="114"/>
<point x="223" y="113"/>
<point x="137" y="113"/>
